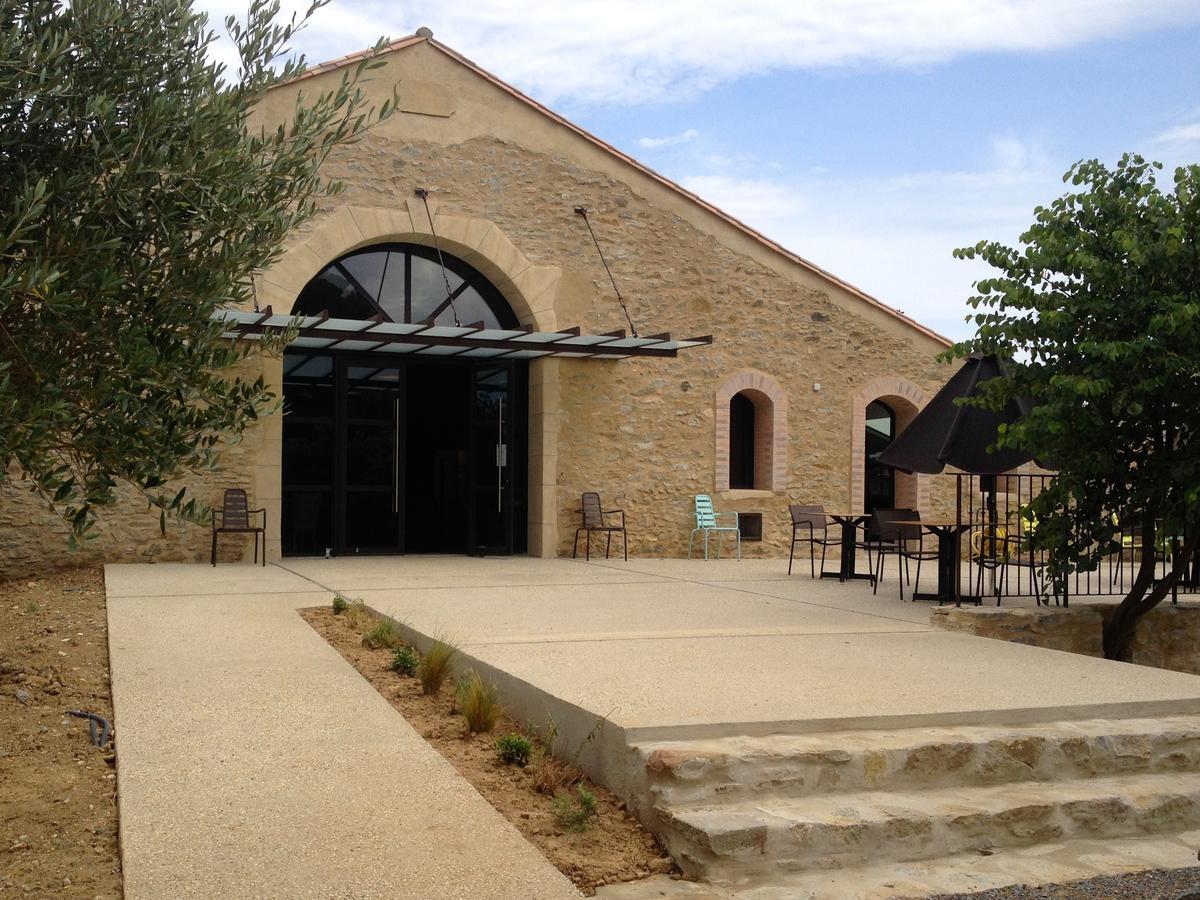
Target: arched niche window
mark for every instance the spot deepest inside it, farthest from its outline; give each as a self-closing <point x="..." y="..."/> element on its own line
<point x="880" y="480"/>
<point x="751" y="433"/>
<point x="404" y="283"/>
<point x="741" y="442"/>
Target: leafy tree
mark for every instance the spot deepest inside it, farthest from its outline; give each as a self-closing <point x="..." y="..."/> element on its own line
<point x="1100" y="308"/>
<point x="136" y="200"/>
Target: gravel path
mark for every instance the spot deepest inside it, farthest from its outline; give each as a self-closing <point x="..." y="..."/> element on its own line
<point x="1153" y="884"/>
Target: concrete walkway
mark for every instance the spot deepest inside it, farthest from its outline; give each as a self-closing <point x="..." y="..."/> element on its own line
<point x="255" y="762"/>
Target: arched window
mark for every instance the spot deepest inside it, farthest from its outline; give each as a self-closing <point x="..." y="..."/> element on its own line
<point x="404" y="283"/>
<point x="880" y="480"/>
<point x="741" y="442"/>
<point x="751" y="433"/>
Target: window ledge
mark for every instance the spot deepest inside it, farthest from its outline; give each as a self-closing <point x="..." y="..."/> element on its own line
<point x="743" y="494"/>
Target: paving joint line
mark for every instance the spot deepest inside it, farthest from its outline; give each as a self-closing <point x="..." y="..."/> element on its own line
<point x="725" y="584"/>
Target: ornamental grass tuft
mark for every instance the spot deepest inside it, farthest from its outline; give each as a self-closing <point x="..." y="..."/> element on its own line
<point x="478" y="701"/>
<point x="437" y="664"/>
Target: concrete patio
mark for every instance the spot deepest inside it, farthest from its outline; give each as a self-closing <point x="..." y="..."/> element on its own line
<point x="685" y="648"/>
<point x="254" y="761"/>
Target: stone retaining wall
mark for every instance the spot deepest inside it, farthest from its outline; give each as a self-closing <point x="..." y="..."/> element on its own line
<point x="1168" y="637"/>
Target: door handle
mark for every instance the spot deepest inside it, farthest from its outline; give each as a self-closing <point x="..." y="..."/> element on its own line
<point x="395" y="454"/>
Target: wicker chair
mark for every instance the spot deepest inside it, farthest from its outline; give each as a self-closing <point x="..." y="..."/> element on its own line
<point x="594" y="520"/>
<point x="235" y="519"/>
<point x="810" y="526"/>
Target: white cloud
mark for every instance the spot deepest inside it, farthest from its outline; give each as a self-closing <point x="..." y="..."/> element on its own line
<point x="632" y="51"/>
<point x="655" y="143"/>
<point x="1179" y="137"/>
<point x="894" y="236"/>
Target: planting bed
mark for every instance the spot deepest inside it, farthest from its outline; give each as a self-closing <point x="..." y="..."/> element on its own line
<point x="613" y="849"/>
<point x="58" y="804"/>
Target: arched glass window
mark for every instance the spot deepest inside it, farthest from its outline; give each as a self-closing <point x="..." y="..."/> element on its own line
<point x="741" y="442"/>
<point x="404" y="283"/>
<point x="880" y="479"/>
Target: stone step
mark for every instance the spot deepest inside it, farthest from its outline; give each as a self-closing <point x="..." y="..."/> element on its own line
<point x="1058" y="863"/>
<point x="739" y="768"/>
<point x="774" y="835"/>
<point x="964" y="873"/>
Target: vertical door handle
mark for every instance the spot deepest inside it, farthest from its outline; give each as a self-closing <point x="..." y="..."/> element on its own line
<point x="395" y="454"/>
<point x="500" y="460"/>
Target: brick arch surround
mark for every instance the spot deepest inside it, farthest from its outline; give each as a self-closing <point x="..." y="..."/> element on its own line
<point x="906" y="400"/>
<point x="770" y="426"/>
<point x="529" y="289"/>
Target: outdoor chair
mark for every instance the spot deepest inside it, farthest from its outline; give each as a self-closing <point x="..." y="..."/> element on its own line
<point x="904" y="541"/>
<point x="990" y="552"/>
<point x="708" y="521"/>
<point x="594" y="520"/>
<point x="235" y="519"/>
<point x="810" y="526"/>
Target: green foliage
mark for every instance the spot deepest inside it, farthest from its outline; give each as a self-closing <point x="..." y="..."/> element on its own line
<point x="340" y="604"/>
<point x="383" y="634"/>
<point x="478" y="701"/>
<point x="575" y="814"/>
<point x="138" y="196"/>
<point x="1100" y="309"/>
<point x="405" y="661"/>
<point x="31" y="606"/>
<point x="514" y="749"/>
<point x="437" y="664"/>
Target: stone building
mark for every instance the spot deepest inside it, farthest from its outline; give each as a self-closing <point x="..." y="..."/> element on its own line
<point x="391" y="445"/>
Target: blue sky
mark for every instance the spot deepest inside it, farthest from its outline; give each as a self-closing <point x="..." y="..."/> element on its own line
<point x="870" y="136"/>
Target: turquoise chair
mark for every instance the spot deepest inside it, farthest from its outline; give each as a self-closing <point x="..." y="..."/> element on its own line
<point x="709" y="521"/>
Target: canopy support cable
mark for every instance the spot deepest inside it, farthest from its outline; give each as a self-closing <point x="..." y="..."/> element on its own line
<point x="424" y="195"/>
<point x="582" y="212"/>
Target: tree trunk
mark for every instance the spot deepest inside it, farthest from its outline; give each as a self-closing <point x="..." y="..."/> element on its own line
<point x="1120" y="630"/>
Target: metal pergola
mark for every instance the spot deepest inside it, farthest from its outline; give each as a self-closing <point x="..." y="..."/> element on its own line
<point x="320" y="332"/>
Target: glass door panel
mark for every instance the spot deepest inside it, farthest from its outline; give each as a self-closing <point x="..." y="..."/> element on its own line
<point x="309" y="450"/>
<point x="491" y="469"/>
<point x="370" y="482"/>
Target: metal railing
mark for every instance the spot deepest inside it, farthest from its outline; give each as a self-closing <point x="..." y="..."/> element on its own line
<point x="1003" y="564"/>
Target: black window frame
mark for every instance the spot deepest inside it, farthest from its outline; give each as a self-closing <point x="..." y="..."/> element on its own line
<point x="471" y="278"/>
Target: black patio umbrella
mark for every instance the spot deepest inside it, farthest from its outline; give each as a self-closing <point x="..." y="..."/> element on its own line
<point x="946" y="433"/>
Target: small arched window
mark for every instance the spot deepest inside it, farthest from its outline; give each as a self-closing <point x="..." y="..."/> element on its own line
<point x="741" y="442"/>
<point x="751" y="433"/>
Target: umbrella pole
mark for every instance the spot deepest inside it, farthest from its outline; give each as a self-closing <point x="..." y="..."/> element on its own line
<point x="958" y="560"/>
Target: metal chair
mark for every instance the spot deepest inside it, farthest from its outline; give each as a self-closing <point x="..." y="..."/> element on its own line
<point x="708" y="521"/>
<point x="235" y="519"/>
<point x="593" y="520"/>
<point x="896" y="539"/>
<point x="810" y="526"/>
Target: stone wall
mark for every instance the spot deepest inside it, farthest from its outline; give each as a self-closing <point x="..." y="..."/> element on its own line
<point x="1168" y="637"/>
<point x="642" y="432"/>
<point x="33" y="539"/>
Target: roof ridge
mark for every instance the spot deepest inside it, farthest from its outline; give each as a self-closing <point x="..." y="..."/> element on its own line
<point x="424" y="35"/>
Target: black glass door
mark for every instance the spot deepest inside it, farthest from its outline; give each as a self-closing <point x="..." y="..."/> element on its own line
<point x="370" y="483"/>
<point x="492" y="416"/>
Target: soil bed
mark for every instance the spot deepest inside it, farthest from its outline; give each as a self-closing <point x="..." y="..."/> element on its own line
<point x="613" y="849"/>
<point x="58" y="803"/>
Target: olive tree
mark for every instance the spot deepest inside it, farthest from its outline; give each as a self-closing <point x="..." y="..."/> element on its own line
<point x="1100" y="309"/>
<point x="136" y="200"/>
